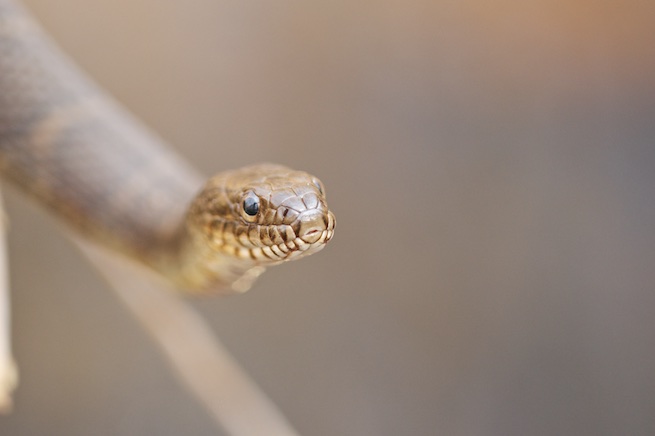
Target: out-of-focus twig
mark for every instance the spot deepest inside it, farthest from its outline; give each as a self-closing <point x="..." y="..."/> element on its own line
<point x="8" y="371"/>
<point x="203" y="365"/>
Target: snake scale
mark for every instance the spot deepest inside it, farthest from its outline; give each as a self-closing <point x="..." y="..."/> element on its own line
<point x="74" y="149"/>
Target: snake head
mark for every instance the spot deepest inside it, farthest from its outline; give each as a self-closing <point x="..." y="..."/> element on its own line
<point x="264" y="214"/>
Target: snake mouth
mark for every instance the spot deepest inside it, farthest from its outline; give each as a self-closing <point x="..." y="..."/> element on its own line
<point x="292" y="249"/>
<point x="312" y="236"/>
<point x="279" y="243"/>
<point x="275" y="243"/>
<point x="309" y="243"/>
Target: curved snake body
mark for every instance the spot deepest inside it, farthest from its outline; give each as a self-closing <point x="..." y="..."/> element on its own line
<point x="79" y="153"/>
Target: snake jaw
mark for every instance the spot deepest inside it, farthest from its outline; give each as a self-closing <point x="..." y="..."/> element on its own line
<point x="311" y="241"/>
<point x="277" y="243"/>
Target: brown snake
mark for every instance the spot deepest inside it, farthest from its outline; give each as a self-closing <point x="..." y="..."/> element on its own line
<point x="79" y="153"/>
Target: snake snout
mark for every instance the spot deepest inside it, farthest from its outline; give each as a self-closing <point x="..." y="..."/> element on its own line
<point x="312" y="225"/>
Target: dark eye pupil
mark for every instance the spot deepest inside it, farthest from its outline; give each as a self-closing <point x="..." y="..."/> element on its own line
<point x="251" y="205"/>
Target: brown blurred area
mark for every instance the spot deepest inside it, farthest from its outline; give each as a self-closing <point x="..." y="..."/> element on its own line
<point x="492" y="169"/>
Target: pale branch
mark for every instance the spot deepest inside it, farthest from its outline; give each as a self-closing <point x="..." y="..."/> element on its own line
<point x="8" y="371"/>
<point x="202" y="363"/>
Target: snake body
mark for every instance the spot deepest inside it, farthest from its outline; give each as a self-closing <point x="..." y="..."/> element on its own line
<point x="74" y="149"/>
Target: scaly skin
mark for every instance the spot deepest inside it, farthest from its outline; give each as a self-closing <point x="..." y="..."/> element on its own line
<point x="84" y="157"/>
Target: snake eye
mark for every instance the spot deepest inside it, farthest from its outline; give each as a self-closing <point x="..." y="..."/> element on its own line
<point x="251" y="205"/>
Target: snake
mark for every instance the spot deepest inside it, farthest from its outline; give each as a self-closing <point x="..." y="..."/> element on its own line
<point x="80" y="154"/>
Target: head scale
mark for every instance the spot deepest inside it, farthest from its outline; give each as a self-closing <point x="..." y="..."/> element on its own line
<point x="264" y="214"/>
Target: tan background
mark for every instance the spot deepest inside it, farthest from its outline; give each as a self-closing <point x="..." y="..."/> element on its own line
<point x="491" y="166"/>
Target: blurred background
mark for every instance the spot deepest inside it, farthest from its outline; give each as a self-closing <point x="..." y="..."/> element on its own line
<point x="492" y="169"/>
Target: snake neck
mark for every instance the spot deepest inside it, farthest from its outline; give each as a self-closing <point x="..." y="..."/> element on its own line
<point x="194" y="265"/>
<point x="78" y="152"/>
